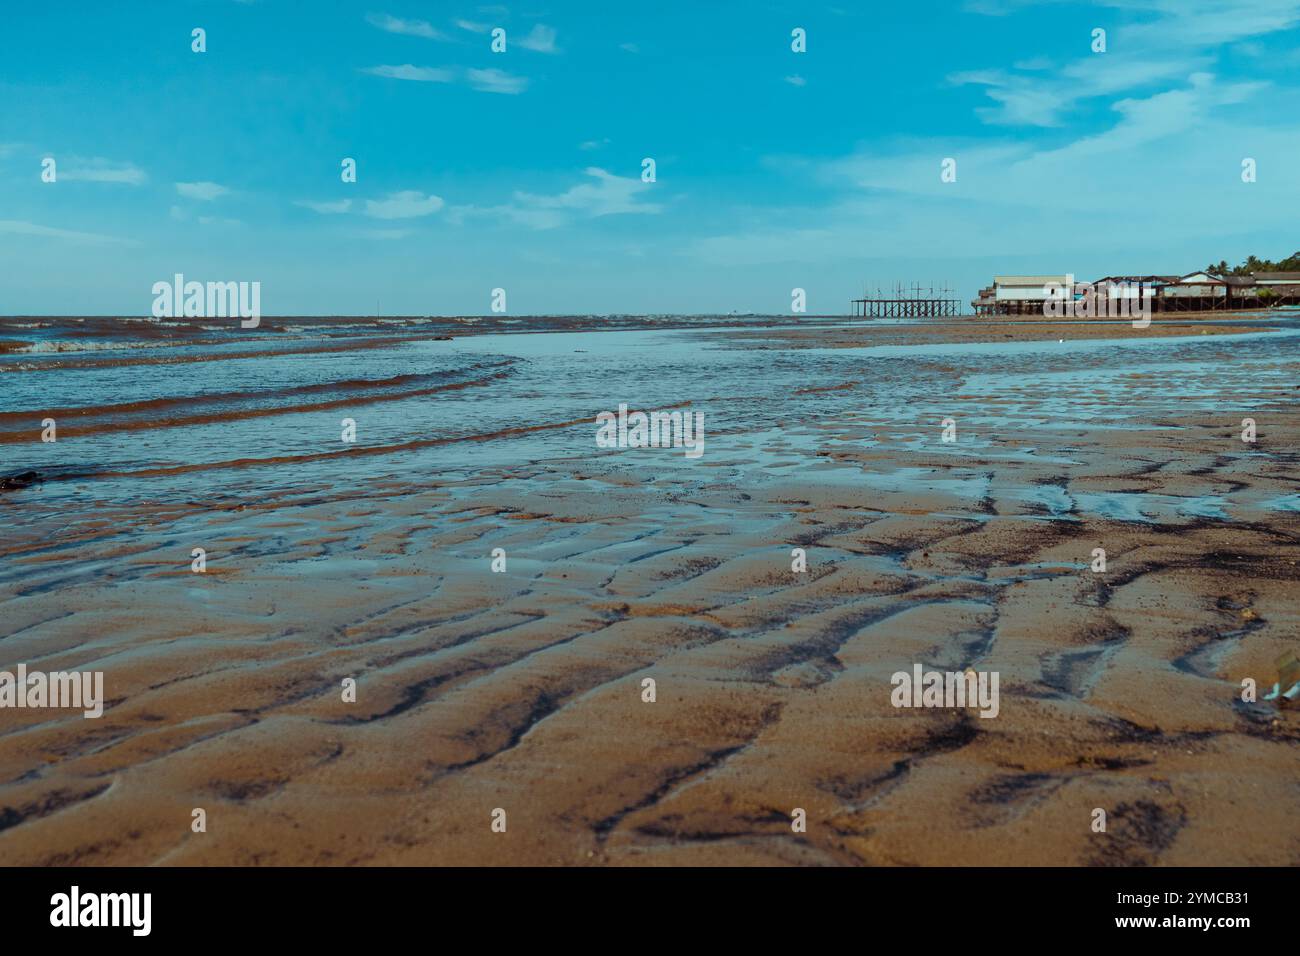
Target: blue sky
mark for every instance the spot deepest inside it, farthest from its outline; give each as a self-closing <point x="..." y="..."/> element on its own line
<point x="522" y="169"/>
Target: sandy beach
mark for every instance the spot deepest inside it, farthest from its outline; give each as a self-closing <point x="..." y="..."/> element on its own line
<point x="521" y="689"/>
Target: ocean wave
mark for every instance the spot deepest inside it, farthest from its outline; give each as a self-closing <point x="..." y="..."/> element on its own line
<point x="80" y="345"/>
<point x="207" y="409"/>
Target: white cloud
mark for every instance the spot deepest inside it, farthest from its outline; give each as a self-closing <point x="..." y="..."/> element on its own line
<point x="796" y="80"/>
<point x="608" y="195"/>
<point x="96" y="170"/>
<point x="22" y="228"/>
<point x="420" y="74"/>
<point x="1160" y="116"/>
<point x="1040" y="101"/>
<point x="202" y="190"/>
<point x="485" y="81"/>
<point x="594" y="143"/>
<point x="473" y="27"/>
<point x="1209" y="24"/>
<point x="407" y="204"/>
<point x="1122" y="163"/>
<point x="496" y="81"/>
<point x="1173" y="40"/>
<point x="325" y="208"/>
<point x="1158" y="191"/>
<point x="414" y="28"/>
<point x="541" y="39"/>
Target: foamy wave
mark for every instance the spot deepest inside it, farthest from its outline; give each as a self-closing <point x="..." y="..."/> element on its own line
<point x="64" y="345"/>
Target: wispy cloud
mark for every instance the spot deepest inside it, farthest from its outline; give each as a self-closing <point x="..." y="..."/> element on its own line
<point x="204" y="191"/>
<point x="1190" y="135"/>
<point x="407" y="204"/>
<point x="485" y="81"/>
<point x="496" y="81"/>
<point x="325" y="208"/>
<point x="1043" y="100"/>
<point x="1208" y="24"/>
<point x="22" y="228"/>
<point x="1009" y="171"/>
<point x="1174" y="40"/>
<point x="413" y="28"/>
<point x="420" y="74"/>
<point x="594" y="143"/>
<point x="96" y="170"/>
<point x="796" y="80"/>
<point x="608" y="195"/>
<point x="541" y="39"/>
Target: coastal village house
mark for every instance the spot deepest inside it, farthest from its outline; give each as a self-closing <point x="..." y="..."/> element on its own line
<point x="1018" y="295"/>
<point x="1194" y="292"/>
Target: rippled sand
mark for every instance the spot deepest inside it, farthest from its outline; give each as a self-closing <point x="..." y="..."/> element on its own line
<point x="522" y="690"/>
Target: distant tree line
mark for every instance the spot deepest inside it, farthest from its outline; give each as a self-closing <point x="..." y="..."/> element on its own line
<point x="1252" y="264"/>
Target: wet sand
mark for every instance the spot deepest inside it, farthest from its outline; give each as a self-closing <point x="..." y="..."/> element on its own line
<point x="522" y="690"/>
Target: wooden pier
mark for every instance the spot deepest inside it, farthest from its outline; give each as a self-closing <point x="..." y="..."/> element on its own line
<point x="906" y="303"/>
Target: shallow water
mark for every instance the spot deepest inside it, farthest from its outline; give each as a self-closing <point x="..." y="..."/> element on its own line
<point x="156" y="422"/>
